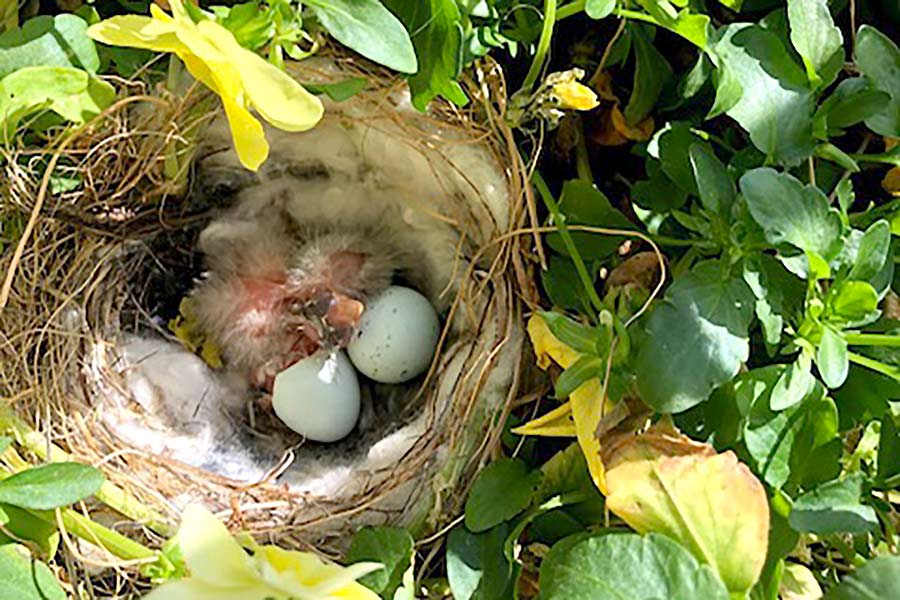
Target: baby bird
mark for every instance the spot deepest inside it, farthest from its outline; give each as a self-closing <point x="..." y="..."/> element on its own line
<point x="275" y="294"/>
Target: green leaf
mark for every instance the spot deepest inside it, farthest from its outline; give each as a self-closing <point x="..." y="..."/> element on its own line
<point x="830" y="152"/>
<point x="476" y="566"/>
<point x="878" y="58"/>
<point x="71" y="93"/>
<point x="774" y="105"/>
<point x="599" y="9"/>
<point x="367" y="27"/>
<point x="831" y="358"/>
<point x="584" y="369"/>
<point x="888" y="462"/>
<point x="339" y="91"/>
<point x="580" y="338"/>
<point x="792" y="213"/>
<point x="25" y="526"/>
<point x="562" y="284"/>
<point x="873" y="251"/>
<point x="834" y="507"/>
<point x="651" y="74"/>
<point x="691" y="26"/>
<point x="583" y="204"/>
<point x="671" y="146"/>
<point x="5" y="441"/>
<point x="59" y="41"/>
<point x="626" y="566"/>
<point x="390" y="546"/>
<point x="715" y="186"/>
<point x="252" y="27"/>
<point x="24" y="578"/>
<point x="852" y="301"/>
<point x="695" y="340"/>
<point x="793" y="385"/>
<point x="436" y="27"/>
<point x="772" y="438"/>
<point x="853" y="101"/>
<point x="878" y="579"/>
<point x="814" y="35"/>
<point x="51" y="486"/>
<point x="778" y="293"/>
<point x="502" y="490"/>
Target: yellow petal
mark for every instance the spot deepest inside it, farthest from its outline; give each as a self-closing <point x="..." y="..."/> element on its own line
<point x="211" y="554"/>
<point x="277" y="97"/>
<point x="587" y="409"/>
<point x="192" y="589"/>
<point x="547" y="347"/>
<point x="158" y="13"/>
<point x="575" y="96"/>
<point x="248" y="135"/>
<point x="179" y="12"/>
<point x="134" y="31"/>
<point x="305" y="575"/>
<point x="556" y="423"/>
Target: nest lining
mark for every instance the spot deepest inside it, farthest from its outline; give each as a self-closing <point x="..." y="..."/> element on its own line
<point x="442" y="183"/>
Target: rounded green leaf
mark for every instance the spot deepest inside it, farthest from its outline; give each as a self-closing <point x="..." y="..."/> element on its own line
<point x="502" y="490"/>
<point x="626" y="566"/>
<point x="23" y="578"/>
<point x="390" y="546"/>
<point x="876" y="580"/>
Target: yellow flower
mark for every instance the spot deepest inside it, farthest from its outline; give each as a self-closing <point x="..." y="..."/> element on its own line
<point x="220" y="569"/>
<point x="580" y="415"/>
<point x="243" y="79"/>
<point x="572" y="95"/>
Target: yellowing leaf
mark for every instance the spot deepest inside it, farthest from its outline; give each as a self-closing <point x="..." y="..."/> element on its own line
<point x="585" y="406"/>
<point x="556" y="423"/>
<point x="547" y="347"/>
<point x="587" y="410"/>
<point x="662" y="481"/>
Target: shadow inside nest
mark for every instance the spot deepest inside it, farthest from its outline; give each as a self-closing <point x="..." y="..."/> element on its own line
<point x="182" y="408"/>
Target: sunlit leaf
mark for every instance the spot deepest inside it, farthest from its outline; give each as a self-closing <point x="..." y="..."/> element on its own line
<point x="664" y="482"/>
<point x="626" y="566"/>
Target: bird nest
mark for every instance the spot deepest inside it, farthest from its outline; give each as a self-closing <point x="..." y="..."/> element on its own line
<point x="104" y="223"/>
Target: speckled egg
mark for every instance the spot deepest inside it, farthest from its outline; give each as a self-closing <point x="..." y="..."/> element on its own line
<point x="318" y="397"/>
<point x="397" y="336"/>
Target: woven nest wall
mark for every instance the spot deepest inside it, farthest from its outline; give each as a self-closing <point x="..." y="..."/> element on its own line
<point x="128" y="194"/>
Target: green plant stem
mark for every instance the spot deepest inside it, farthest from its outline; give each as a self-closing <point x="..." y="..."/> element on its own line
<point x="543" y="45"/>
<point x="582" y="159"/>
<point x="571" y="9"/>
<point x="86" y="529"/>
<point x="94" y="533"/>
<point x="872" y="339"/>
<point x="875" y="365"/>
<point x="110" y="494"/>
<point x="560" y="221"/>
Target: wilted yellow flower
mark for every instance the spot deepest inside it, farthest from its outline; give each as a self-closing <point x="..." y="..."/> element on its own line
<point x="220" y="569"/>
<point x="581" y="414"/>
<point x="243" y="79"/>
<point x="572" y="95"/>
